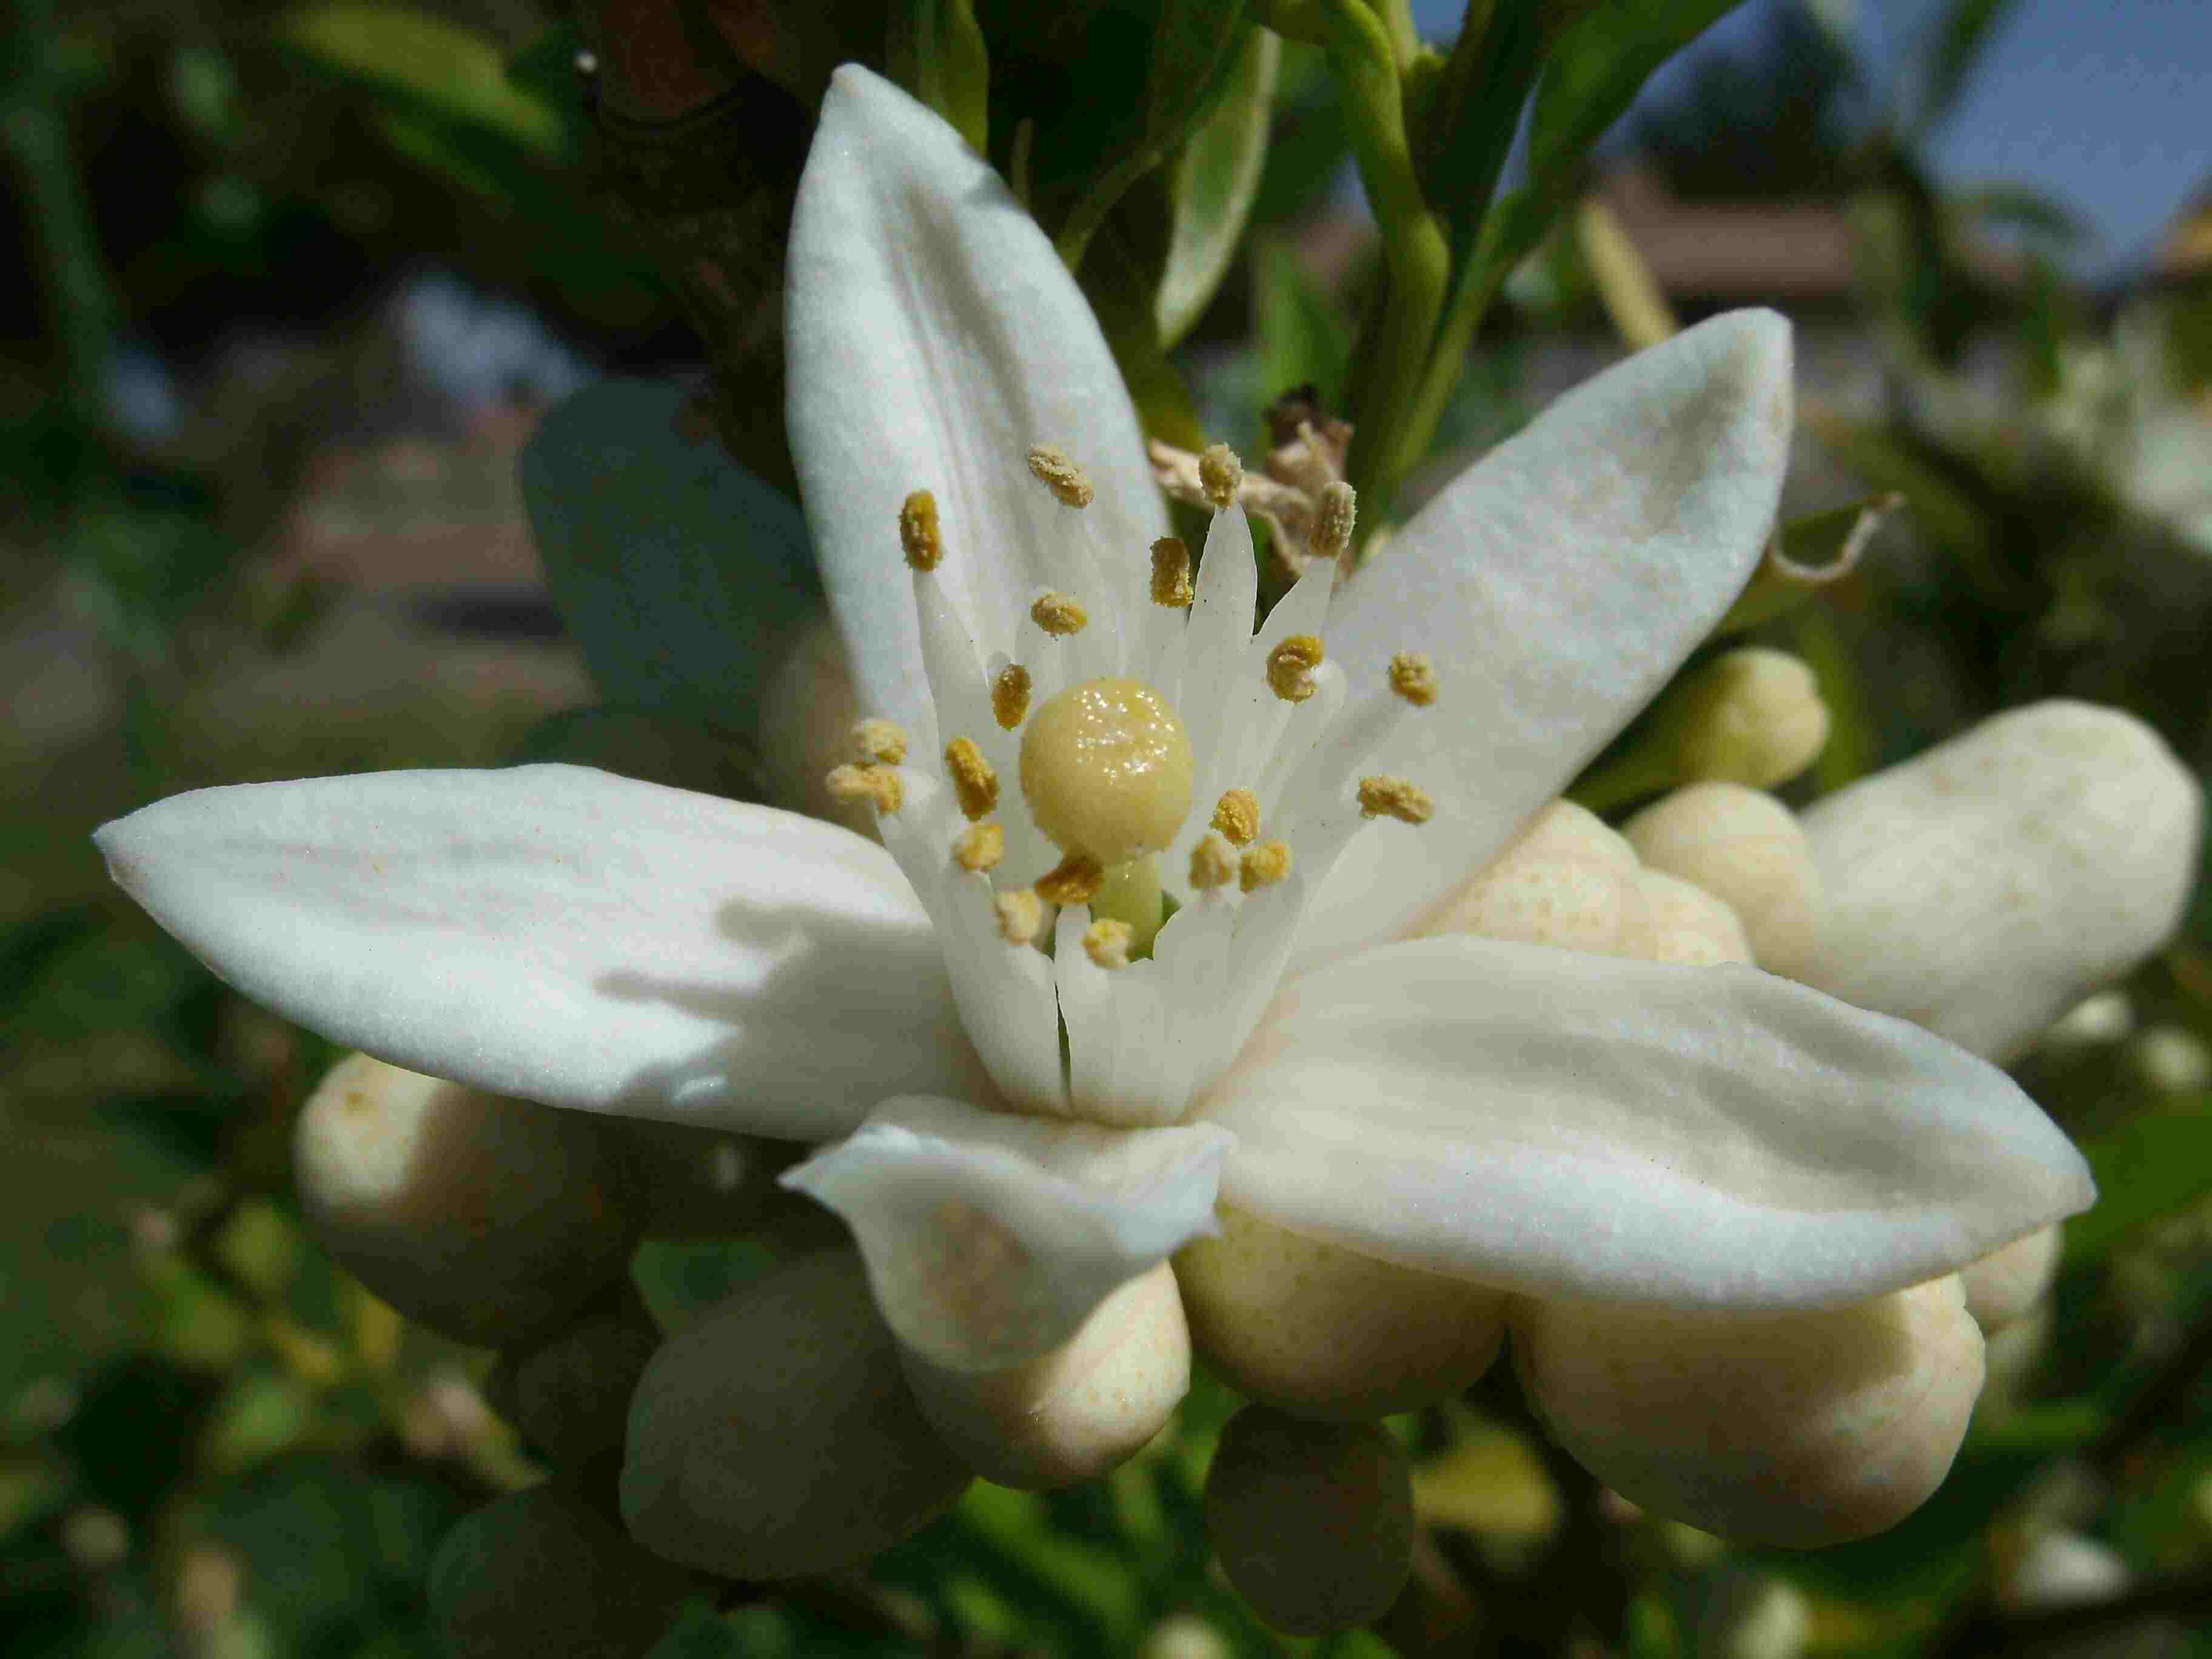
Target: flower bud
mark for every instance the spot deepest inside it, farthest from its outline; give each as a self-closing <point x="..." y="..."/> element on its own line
<point x="1073" y="1413"/>
<point x="1800" y="1430"/>
<point x="1753" y="1616"/>
<point x="1750" y="716"/>
<point x="570" y="1392"/>
<point x="777" y="1437"/>
<point x="2171" y="1060"/>
<point x="2060" y="1570"/>
<point x="1689" y="926"/>
<point x="2009" y="1280"/>
<point x="1313" y="1521"/>
<point x="542" y="1572"/>
<point x="1311" y="1329"/>
<point x="1745" y="848"/>
<point x="486" y="1217"/>
<point x="807" y="712"/>
<point x="1568" y="881"/>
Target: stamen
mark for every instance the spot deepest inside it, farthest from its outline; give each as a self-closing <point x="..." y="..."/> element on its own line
<point x="1107" y="944"/>
<point x="1413" y="678"/>
<point x="917" y="531"/>
<point x="1021" y="915"/>
<point x="973" y="780"/>
<point x="1395" y="798"/>
<point x="1290" y="667"/>
<point x="1171" y="584"/>
<point x="1236" y="815"/>
<point x="878" y="784"/>
<point x="1264" y="866"/>
<point x="1220" y="475"/>
<point x="980" y="846"/>
<point x="1212" y="864"/>
<point x="1010" y="695"/>
<point x="878" y="743"/>
<point x="1050" y="466"/>
<point x="1075" y="880"/>
<point x="1335" y="513"/>
<point x="1059" y="615"/>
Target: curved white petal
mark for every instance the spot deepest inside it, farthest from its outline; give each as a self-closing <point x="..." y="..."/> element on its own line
<point x="989" y="1237"/>
<point x="1984" y="888"/>
<point x="565" y="935"/>
<point x="1557" y="584"/>
<point x="1563" y="1124"/>
<point x="934" y="337"/>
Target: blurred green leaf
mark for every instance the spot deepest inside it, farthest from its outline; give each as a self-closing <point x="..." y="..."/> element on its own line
<point x="684" y="745"/>
<point x="451" y="68"/>
<point x="1309" y="142"/>
<point x="261" y="1413"/>
<point x="1196" y="46"/>
<point x="545" y="70"/>
<point x="936" y="51"/>
<point x="1303" y="338"/>
<point x="681" y="1279"/>
<point x="2149" y="1166"/>
<point x="1212" y="185"/>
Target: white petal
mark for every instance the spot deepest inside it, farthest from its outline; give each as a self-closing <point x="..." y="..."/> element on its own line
<point x="1984" y="888"/>
<point x="1557" y="585"/>
<point x="1563" y="1124"/>
<point x="565" y="935"/>
<point x="989" y="1238"/>
<point x="934" y="337"/>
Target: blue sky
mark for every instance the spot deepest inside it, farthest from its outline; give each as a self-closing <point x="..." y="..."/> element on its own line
<point x="2100" y="104"/>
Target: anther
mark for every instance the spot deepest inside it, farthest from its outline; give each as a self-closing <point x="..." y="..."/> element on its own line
<point x="878" y="784"/>
<point x="973" y="780"/>
<point x="1010" y="695"/>
<point x="1171" y="583"/>
<point x="917" y="531"/>
<point x="1107" y="943"/>
<point x="878" y="743"/>
<point x="1021" y="915"/>
<point x="1075" y="880"/>
<point x="1290" y="667"/>
<point x="980" y="846"/>
<point x="1335" y="513"/>
<point x="1413" y="678"/>
<point x="1395" y="798"/>
<point x="1263" y="866"/>
<point x="1050" y="466"/>
<point x="1212" y="864"/>
<point x="1059" y="615"/>
<point x="1220" y="475"/>
<point x="1236" y="815"/>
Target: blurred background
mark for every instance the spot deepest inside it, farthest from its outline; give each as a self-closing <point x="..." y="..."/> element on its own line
<point x="290" y="285"/>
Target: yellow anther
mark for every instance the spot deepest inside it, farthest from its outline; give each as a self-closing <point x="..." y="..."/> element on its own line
<point x="1107" y="944"/>
<point x="1010" y="695"/>
<point x="878" y="784"/>
<point x="1050" y="466"/>
<point x="1021" y="915"/>
<point x="1106" y="770"/>
<point x="1264" y="866"/>
<point x="1395" y="798"/>
<point x="1236" y="815"/>
<point x="1075" y="880"/>
<point x="1290" y="667"/>
<point x="980" y="846"/>
<point x="1171" y="572"/>
<point x="917" y="531"/>
<point x="1212" y="864"/>
<point x="1220" y="475"/>
<point x="1413" y="678"/>
<point x="1059" y="615"/>
<point x="878" y="743"/>
<point x="973" y="780"/>
<point x="1334" y="514"/>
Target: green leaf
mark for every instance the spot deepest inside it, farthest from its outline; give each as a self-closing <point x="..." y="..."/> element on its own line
<point x="937" y="52"/>
<point x="451" y="68"/>
<point x="1303" y="338"/>
<point x="1196" y="44"/>
<point x="679" y="573"/>
<point x="1212" y="185"/>
<point x="2149" y="1166"/>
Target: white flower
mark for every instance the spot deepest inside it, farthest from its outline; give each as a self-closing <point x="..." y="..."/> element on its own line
<point x="1544" y="1121"/>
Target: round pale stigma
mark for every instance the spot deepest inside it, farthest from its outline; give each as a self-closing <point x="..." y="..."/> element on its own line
<point x="1106" y="769"/>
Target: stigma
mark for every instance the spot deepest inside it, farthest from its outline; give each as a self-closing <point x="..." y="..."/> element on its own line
<point x="1106" y="769"/>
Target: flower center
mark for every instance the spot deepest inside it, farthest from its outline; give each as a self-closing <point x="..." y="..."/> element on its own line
<point x="1106" y="769"/>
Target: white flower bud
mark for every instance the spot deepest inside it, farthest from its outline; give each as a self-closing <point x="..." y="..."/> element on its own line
<point x="1567" y="881"/>
<point x="1743" y="846"/>
<point x="1800" y="1430"/>
<point x="1185" y="1635"/>
<point x="1689" y="926"/>
<point x="2107" y="1017"/>
<point x="1987" y="885"/>
<point x="570" y="1392"/>
<point x="777" y="1437"/>
<point x="807" y="712"/>
<point x="1752" y="1616"/>
<point x="1750" y="716"/>
<point x="1327" y="1333"/>
<point x="542" y="1572"/>
<point x="2171" y="1060"/>
<point x="1313" y="1521"/>
<point x="2062" y="1570"/>
<point x="689" y="1182"/>
<point x="2010" y="1279"/>
<point x="1073" y="1413"/>
<point x="485" y="1217"/>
